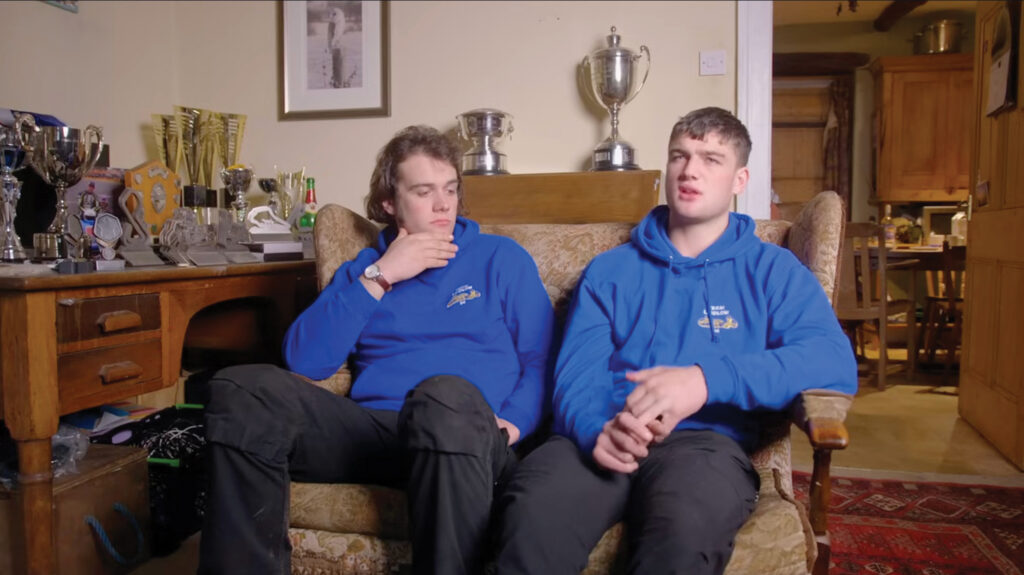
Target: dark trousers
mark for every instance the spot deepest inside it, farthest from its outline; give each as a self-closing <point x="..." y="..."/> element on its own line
<point x="682" y="507"/>
<point x="265" y="426"/>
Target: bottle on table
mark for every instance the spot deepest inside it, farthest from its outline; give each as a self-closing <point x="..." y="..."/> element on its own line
<point x="308" y="218"/>
<point x="889" y="227"/>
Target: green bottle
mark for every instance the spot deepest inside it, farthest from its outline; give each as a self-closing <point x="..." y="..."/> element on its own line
<point x="308" y="217"/>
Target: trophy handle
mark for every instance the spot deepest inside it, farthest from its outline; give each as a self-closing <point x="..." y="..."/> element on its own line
<point x="24" y="128"/>
<point x="586" y="84"/>
<point x="644" y="50"/>
<point x="96" y="133"/>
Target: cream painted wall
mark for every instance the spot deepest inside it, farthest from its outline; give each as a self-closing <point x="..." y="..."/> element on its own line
<point x="861" y="37"/>
<point x="111" y="64"/>
<point x="446" y="58"/>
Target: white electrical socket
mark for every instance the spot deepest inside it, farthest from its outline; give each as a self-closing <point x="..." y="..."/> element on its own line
<point x="712" y="62"/>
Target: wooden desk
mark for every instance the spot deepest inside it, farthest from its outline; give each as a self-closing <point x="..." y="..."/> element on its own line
<point x="69" y="342"/>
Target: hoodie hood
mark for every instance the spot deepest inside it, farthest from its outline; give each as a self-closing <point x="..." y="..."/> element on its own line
<point x="650" y="236"/>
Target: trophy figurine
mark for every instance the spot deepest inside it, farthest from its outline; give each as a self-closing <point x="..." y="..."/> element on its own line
<point x="613" y="81"/>
<point x="237" y="179"/>
<point x="484" y="130"/>
<point x="61" y="156"/>
<point x="15" y="142"/>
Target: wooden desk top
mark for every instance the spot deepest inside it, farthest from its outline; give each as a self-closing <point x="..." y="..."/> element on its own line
<point x="36" y="277"/>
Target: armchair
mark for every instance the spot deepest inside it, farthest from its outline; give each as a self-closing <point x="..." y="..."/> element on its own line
<point x="348" y="529"/>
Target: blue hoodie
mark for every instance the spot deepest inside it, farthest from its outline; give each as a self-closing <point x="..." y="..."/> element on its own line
<point x="485" y="317"/>
<point x="748" y="313"/>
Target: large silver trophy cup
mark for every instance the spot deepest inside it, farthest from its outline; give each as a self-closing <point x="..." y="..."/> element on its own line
<point x="613" y="72"/>
<point x="61" y="156"/>
<point x="15" y="142"/>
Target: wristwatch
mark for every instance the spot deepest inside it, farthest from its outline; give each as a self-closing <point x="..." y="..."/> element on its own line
<point x="372" y="273"/>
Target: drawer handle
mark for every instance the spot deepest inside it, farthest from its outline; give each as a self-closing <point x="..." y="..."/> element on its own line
<point x="120" y="371"/>
<point x="119" y="320"/>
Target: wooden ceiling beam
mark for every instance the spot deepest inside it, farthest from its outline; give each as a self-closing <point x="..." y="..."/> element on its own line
<point x="893" y="12"/>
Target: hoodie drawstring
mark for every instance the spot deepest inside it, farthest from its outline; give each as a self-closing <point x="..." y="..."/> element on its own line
<point x="707" y="301"/>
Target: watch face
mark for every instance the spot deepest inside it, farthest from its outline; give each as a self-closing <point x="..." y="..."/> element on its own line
<point x="371" y="271"/>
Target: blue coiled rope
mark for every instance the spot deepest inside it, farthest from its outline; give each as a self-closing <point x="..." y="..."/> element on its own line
<point x="102" y="534"/>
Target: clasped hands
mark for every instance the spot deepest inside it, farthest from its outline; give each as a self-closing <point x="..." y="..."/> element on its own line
<point x="663" y="397"/>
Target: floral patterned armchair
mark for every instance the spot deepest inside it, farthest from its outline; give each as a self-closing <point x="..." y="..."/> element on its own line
<point x="341" y="529"/>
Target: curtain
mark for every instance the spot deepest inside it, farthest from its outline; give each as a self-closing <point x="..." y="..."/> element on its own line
<point x="837" y="139"/>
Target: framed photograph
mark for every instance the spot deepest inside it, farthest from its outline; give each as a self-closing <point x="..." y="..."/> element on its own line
<point x="334" y="59"/>
<point x="69" y="5"/>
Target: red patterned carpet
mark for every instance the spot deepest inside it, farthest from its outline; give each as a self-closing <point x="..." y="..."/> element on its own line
<point x="917" y="528"/>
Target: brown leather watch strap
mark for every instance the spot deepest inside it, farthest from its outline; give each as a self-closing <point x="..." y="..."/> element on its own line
<point x="382" y="282"/>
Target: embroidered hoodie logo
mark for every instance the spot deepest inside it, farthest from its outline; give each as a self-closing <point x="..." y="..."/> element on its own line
<point x="463" y="294"/>
<point x="720" y="323"/>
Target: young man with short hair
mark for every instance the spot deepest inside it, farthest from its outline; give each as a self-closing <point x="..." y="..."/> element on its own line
<point x="673" y="339"/>
<point x="448" y="333"/>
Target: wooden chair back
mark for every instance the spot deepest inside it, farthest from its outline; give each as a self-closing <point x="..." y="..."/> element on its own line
<point x="860" y="294"/>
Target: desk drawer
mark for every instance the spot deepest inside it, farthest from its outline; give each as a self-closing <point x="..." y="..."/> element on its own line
<point x="96" y="376"/>
<point x="91" y="318"/>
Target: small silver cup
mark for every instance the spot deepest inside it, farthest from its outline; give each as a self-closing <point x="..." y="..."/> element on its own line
<point x="237" y="181"/>
<point x="484" y="129"/>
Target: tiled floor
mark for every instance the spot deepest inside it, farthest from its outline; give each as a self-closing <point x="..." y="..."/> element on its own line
<point x="909" y="427"/>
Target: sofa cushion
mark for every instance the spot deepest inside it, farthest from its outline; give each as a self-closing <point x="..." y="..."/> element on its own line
<point x="326" y="553"/>
<point x="336" y="539"/>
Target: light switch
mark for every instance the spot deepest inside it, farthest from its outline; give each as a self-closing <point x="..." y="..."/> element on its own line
<point x="712" y="62"/>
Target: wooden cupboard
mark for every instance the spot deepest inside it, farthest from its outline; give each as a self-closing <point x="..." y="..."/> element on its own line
<point x="921" y="127"/>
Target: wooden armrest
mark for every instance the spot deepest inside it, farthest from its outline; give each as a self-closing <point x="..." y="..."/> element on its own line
<point x="827" y="434"/>
<point x="820" y="414"/>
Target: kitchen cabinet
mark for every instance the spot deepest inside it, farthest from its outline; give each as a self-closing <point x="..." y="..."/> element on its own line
<point x="922" y="127"/>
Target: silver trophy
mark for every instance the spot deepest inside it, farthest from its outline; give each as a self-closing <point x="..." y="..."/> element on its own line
<point x="613" y="72"/>
<point x="61" y="156"/>
<point x="269" y="187"/>
<point x="15" y="143"/>
<point x="484" y="129"/>
<point x="237" y="180"/>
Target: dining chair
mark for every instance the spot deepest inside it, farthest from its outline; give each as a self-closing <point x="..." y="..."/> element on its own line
<point x="943" y="310"/>
<point x="862" y="293"/>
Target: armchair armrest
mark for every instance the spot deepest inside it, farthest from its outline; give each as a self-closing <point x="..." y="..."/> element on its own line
<point x="820" y="414"/>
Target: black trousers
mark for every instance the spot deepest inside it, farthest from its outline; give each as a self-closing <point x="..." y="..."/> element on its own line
<point x="682" y="507"/>
<point x="265" y="426"/>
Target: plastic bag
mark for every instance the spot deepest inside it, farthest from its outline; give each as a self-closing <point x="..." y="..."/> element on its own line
<point x="67" y="448"/>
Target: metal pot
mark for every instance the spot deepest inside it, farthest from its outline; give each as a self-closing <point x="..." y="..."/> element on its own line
<point x="940" y="37"/>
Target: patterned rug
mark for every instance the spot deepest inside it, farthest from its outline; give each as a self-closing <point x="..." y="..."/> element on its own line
<point x="919" y="528"/>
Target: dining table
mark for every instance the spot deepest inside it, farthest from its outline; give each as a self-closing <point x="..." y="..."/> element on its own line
<point x="918" y="260"/>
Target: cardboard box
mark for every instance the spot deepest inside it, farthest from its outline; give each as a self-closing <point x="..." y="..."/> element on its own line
<point x="107" y="476"/>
